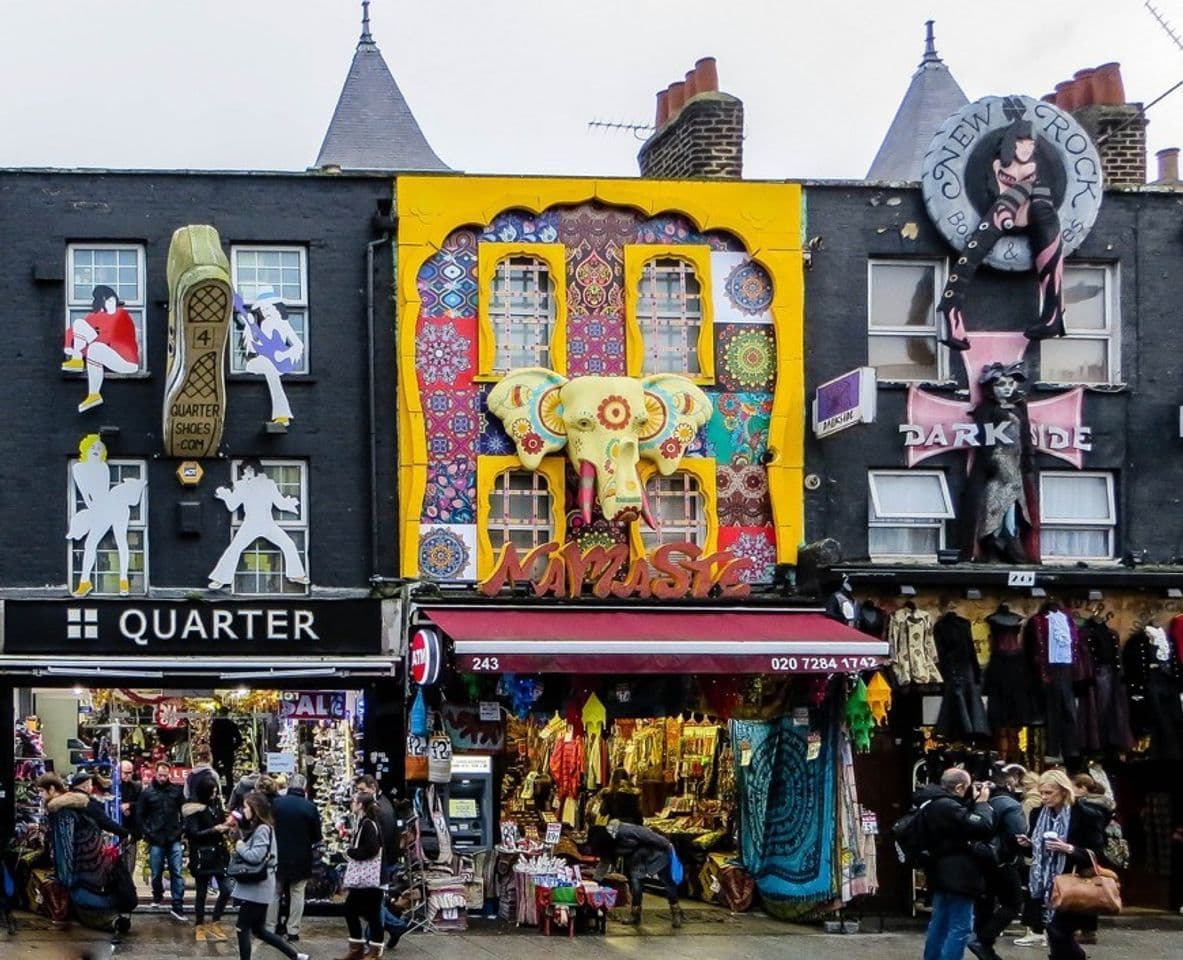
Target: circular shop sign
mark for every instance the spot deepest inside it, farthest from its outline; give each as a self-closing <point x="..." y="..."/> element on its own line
<point x="425" y="656"/>
<point x="959" y="183"/>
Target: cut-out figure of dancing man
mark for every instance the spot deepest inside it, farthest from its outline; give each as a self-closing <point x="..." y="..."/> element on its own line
<point x="107" y="510"/>
<point x="105" y="339"/>
<point x="1023" y="205"/>
<point x="272" y="346"/>
<point x="256" y="493"/>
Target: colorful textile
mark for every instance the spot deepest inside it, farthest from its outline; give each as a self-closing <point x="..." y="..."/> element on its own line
<point x="879" y="697"/>
<point x="859" y="718"/>
<point x="787" y="808"/>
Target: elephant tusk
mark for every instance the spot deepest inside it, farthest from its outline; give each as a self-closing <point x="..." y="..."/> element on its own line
<point x="587" y="487"/>
<point x="646" y="513"/>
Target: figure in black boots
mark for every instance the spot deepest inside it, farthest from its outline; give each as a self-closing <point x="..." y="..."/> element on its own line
<point x="1024" y="204"/>
<point x="1000" y="496"/>
<point x="645" y="854"/>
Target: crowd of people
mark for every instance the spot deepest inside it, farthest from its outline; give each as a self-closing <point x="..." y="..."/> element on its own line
<point x="254" y="848"/>
<point x="992" y="853"/>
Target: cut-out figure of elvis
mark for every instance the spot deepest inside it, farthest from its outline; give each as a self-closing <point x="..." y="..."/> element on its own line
<point x="107" y="509"/>
<point x="257" y="494"/>
<point x="272" y="347"/>
<point x="1000" y="499"/>
<point x="105" y="339"/>
<point x="1023" y="204"/>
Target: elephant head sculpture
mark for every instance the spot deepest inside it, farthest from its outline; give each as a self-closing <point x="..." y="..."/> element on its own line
<point x="607" y="425"/>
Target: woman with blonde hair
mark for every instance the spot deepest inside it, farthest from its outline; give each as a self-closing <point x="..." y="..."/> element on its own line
<point x="1063" y="834"/>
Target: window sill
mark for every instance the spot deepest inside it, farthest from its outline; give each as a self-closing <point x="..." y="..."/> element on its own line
<point x="80" y="376"/>
<point x="285" y="378"/>
<point x="943" y="385"/>
<point x="1050" y="386"/>
<point x="1104" y="563"/>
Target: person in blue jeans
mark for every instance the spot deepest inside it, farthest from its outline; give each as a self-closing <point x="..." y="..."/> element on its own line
<point x="958" y="825"/>
<point x="158" y="812"/>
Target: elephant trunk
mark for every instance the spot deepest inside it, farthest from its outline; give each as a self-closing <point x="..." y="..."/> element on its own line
<point x="646" y="512"/>
<point x="587" y="489"/>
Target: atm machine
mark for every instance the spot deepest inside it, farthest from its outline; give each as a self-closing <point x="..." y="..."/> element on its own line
<point x="468" y="804"/>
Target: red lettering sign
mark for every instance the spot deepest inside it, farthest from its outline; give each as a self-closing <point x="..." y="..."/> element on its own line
<point x="677" y="571"/>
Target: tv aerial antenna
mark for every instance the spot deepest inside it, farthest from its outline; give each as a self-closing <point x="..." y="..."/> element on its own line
<point x="1165" y="24"/>
<point x="640" y="131"/>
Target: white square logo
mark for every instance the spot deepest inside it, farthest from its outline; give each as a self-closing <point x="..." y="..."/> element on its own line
<point x="82" y="623"/>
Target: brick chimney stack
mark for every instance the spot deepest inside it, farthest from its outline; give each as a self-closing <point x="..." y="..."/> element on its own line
<point x="699" y="130"/>
<point x="1096" y="97"/>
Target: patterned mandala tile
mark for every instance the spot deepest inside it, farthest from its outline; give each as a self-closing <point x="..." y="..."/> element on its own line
<point x="450" y="494"/>
<point x="745" y="357"/>
<point x="447" y="281"/>
<point x="742" y="492"/>
<point x="742" y="289"/>
<point x="445" y="351"/>
<point x="491" y="437"/>
<point x="520" y="226"/>
<point x="595" y="346"/>
<point x="737" y="432"/>
<point x="595" y="238"/>
<point x="452" y="419"/>
<point x="669" y="228"/>
<point x="757" y="544"/>
<point x="447" y="551"/>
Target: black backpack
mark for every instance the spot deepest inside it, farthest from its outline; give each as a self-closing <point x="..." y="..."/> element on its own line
<point x="911" y="838"/>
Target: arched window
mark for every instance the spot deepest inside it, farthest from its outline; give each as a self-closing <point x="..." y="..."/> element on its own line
<point x="683" y="504"/>
<point x="522" y="311"/>
<point x="518" y="506"/>
<point x="668" y="311"/>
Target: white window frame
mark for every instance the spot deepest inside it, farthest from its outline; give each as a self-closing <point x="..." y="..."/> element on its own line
<point x="141" y="305"/>
<point x="542" y="498"/>
<point x="504" y="320"/>
<point x="1108" y="526"/>
<point x="140" y="525"/>
<point x="878" y="518"/>
<point x="657" y="488"/>
<point x="302" y="304"/>
<point x="1111" y="333"/>
<point x="938" y="279"/>
<point x="285" y="520"/>
<point x="656" y="274"/>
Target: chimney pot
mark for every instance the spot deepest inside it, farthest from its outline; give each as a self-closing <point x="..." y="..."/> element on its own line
<point x="663" y="108"/>
<point x="676" y="97"/>
<point x="1108" y="85"/>
<point x="1168" y="165"/>
<point x="1066" y="95"/>
<point x="706" y="75"/>
<point x="1086" y="94"/>
<point x="691" y="87"/>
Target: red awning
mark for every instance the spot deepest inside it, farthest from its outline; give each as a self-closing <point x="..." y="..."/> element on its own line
<point x="575" y="640"/>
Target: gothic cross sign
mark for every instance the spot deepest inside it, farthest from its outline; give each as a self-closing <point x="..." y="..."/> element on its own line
<point x="936" y="425"/>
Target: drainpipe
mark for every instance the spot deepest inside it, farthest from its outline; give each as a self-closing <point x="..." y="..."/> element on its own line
<point x="386" y="224"/>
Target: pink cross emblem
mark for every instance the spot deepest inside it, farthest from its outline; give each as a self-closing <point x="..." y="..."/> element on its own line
<point x="937" y="425"/>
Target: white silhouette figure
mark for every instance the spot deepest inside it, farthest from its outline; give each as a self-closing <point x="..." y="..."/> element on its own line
<point x="107" y="510"/>
<point x="272" y="346"/>
<point x="256" y="493"/>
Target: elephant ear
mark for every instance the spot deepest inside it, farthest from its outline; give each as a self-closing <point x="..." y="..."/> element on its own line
<point x="527" y="402"/>
<point x="675" y="409"/>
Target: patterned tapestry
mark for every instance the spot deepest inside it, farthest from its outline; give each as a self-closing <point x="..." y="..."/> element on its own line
<point x="788" y="808"/>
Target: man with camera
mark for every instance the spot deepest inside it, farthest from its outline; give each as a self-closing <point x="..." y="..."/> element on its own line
<point x="955" y="817"/>
<point x="1003" y="899"/>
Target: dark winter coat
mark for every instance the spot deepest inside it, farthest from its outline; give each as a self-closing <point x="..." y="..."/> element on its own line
<point x="953" y="826"/>
<point x="208" y="853"/>
<point x="297" y="828"/>
<point x="1009" y="822"/>
<point x="1086" y="831"/>
<point x="388" y="825"/>
<point x="159" y="813"/>
<point x="129" y="793"/>
<point x="645" y="853"/>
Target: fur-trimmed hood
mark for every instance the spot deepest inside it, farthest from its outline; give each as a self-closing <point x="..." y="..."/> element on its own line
<point x="188" y="809"/>
<point x="68" y="801"/>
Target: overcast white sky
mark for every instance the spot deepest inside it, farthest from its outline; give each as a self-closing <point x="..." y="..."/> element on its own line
<point x="508" y="86"/>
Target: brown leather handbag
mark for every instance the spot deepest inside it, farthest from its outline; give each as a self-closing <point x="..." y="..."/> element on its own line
<point x="1097" y="893"/>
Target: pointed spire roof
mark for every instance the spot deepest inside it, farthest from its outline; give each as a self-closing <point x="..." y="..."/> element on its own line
<point x="373" y="127"/>
<point x="932" y="97"/>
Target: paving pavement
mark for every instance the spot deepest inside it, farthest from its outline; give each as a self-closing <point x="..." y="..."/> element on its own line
<point x="158" y="938"/>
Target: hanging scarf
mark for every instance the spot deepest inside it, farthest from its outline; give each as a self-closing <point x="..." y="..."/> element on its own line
<point x="858" y="717"/>
<point x="1046" y="864"/>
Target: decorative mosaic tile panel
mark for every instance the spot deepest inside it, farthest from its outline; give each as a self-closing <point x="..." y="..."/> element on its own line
<point x="741" y="289"/>
<point x="521" y="226"/>
<point x="447" y="281"/>
<point x="447" y="551"/>
<point x="450" y="494"/>
<point x="738" y="429"/>
<point x="445" y="351"/>
<point x="757" y="544"/>
<point x="742" y="492"/>
<point x="745" y="357"/>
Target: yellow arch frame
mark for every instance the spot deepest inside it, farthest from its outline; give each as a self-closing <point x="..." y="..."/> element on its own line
<point x="704" y="470"/>
<point x="488" y="256"/>
<point x="765" y="216"/>
<point x="636" y="255"/>
<point x="488" y="469"/>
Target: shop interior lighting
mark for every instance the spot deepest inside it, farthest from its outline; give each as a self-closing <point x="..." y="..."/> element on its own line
<point x="1174" y="593"/>
<point x="1096" y="595"/>
<point x="973" y="593"/>
<point x="278" y="675"/>
<point x="102" y="672"/>
<point x="907" y="591"/>
<point x="1038" y="592"/>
